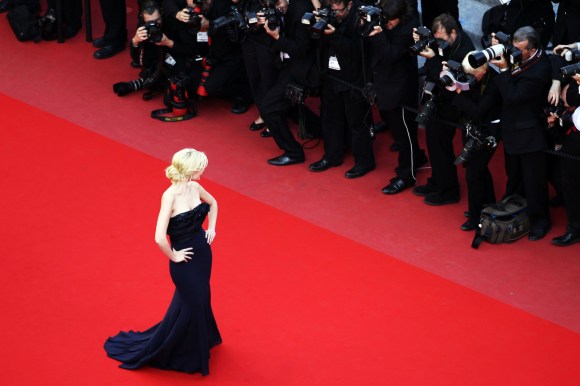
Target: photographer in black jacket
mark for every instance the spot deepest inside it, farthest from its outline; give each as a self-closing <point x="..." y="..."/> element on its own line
<point x="345" y="110"/>
<point x="480" y="108"/>
<point x="443" y="186"/>
<point x="523" y="90"/>
<point x="567" y="127"/>
<point x="297" y="68"/>
<point x="395" y="77"/>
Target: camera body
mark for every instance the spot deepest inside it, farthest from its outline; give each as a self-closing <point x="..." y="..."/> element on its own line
<point x="453" y="77"/>
<point x="154" y="33"/>
<point x="512" y="54"/>
<point x="194" y="17"/>
<point x="476" y="140"/>
<point x="427" y="40"/>
<point x="370" y="17"/>
<point x="233" y="23"/>
<point x="319" y="21"/>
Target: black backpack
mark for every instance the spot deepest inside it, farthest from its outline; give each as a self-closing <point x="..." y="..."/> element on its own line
<point x="503" y="222"/>
<point x="23" y="20"/>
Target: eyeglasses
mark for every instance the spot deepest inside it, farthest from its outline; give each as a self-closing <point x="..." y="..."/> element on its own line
<point x="341" y="10"/>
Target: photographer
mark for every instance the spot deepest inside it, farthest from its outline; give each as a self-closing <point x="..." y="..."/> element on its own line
<point x="523" y="90"/>
<point x="227" y="76"/>
<point x="297" y="71"/>
<point x="395" y="77"/>
<point x="443" y="186"/>
<point x="345" y="109"/>
<point x="567" y="126"/>
<point x="163" y="48"/>
<point x="480" y="107"/>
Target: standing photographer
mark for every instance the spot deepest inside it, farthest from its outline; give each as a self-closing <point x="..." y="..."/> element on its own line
<point x="480" y="107"/>
<point x="523" y="91"/>
<point x="395" y="76"/>
<point x="443" y="186"/>
<point x="297" y="68"/>
<point x="570" y="168"/>
<point x="345" y="111"/>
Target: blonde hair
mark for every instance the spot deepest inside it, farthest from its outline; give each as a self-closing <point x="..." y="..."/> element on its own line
<point x="184" y="163"/>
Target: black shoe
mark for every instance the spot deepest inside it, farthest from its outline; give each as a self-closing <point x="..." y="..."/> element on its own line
<point x="322" y="165"/>
<point x="240" y="107"/>
<point x="257" y="126"/>
<point x="135" y="64"/>
<point x="397" y="185"/>
<point x="467" y="213"/>
<point x="566" y="239"/>
<point x="99" y="42"/>
<point x="435" y="199"/>
<point x="538" y="232"/>
<point x="265" y="133"/>
<point x="285" y="160"/>
<point x="380" y="127"/>
<point x="423" y="190"/>
<point x="358" y="171"/>
<point x="469" y="225"/>
<point x="107" y="51"/>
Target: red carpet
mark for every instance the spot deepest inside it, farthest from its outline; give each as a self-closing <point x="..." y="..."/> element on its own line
<point x="296" y="304"/>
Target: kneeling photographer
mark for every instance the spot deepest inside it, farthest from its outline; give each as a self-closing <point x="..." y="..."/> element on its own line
<point x="480" y="107"/>
<point x="168" y="52"/>
<point x="566" y="123"/>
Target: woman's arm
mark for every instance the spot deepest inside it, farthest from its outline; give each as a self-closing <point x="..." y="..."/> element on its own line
<point x="161" y="231"/>
<point x="212" y="215"/>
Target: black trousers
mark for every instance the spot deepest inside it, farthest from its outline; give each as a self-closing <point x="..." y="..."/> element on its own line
<point x="527" y="176"/>
<point x="260" y="67"/>
<point x="571" y="181"/>
<point x="228" y="79"/>
<point x="274" y="111"/>
<point x="442" y="156"/>
<point x="404" y="130"/>
<point x="480" y="189"/>
<point x="430" y="9"/>
<point x="345" y="117"/>
<point x="115" y="16"/>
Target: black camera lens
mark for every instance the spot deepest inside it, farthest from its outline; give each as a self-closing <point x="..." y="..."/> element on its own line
<point x="570" y="70"/>
<point x="154" y="33"/>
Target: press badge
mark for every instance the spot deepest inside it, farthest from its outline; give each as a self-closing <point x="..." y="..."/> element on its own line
<point x="169" y="60"/>
<point x="333" y="63"/>
<point x="202" y="37"/>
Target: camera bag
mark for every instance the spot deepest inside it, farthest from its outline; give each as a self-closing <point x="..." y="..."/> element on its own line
<point x="23" y="20"/>
<point x="503" y="222"/>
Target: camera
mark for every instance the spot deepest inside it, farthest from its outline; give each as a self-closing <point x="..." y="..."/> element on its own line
<point x="426" y="39"/>
<point x="453" y="77"/>
<point x="269" y="12"/>
<point x="194" y="13"/>
<point x="511" y="53"/>
<point x="570" y="70"/>
<point x="233" y="24"/>
<point x="319" y="21"/>
<point x="370" y="17"/>
<point x="430" y="91"/>
<point x="558" y="109"/>
<point x="475" y="141"/>
<point x="154" y="33"/>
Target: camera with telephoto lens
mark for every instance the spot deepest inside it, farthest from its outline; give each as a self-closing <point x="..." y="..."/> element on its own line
<point x="453" y="77"/>
<point x="476" y="140"/>
<point x="571" y="56"/>
<point x="319" y="20"/>
<point x="570" y="70"/>
<point x="430" y="91"/>
<point x="370" y="17"/>
<point x="154" y="33"/>
<point x="233" y="23"/>
<point x="427" y="40"/>
<point x="512" y="54"/>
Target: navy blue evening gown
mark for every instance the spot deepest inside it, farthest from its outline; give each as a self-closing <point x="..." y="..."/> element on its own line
<point x="182" y="340"/>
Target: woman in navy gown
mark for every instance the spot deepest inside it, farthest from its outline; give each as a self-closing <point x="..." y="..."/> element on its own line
<point x="182" y="340"/>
